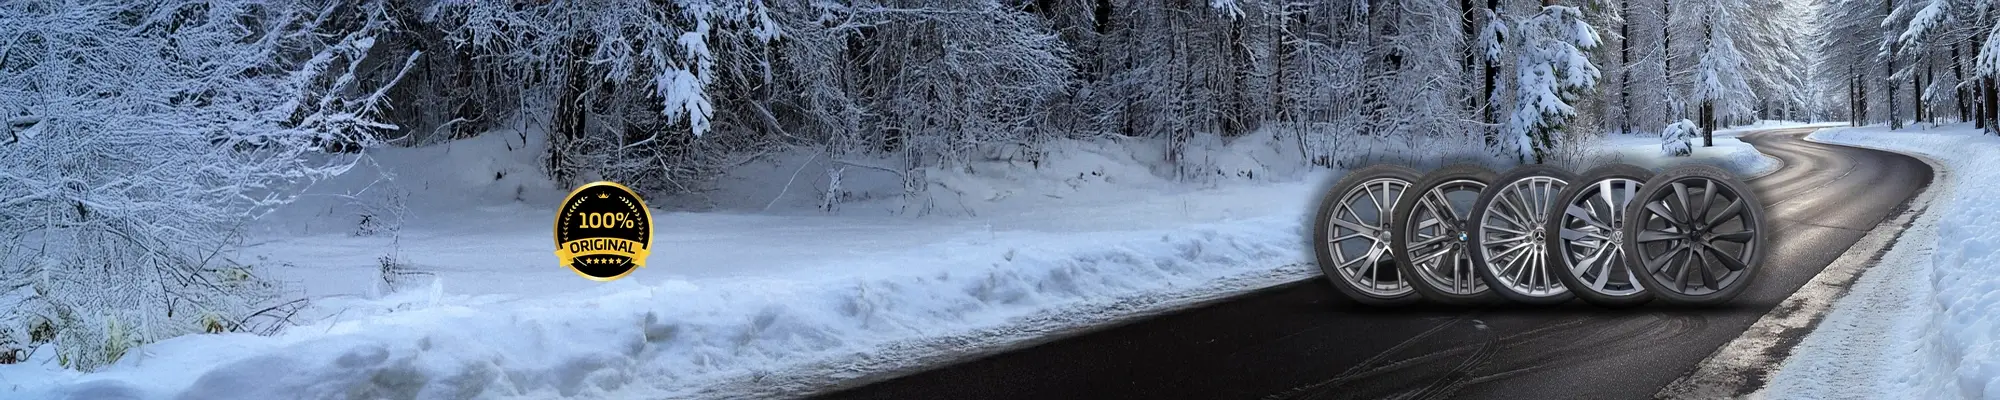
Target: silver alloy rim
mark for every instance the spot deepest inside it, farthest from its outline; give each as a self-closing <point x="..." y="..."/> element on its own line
<point x="1358" y="237"/>
<point x="1510" y="232"/>
<point x="1437" y="239"/>
<point x="1592" y="237"/>
<point x="1689" y="246"/>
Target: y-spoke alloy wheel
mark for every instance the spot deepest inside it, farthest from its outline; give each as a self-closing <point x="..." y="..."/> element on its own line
<point x="1695" y="233"/>
<point x="1429" y="237"/>
<point x="1585" y="236"/>
<point x="1508" y="248"/>
<point x="1351" y="235"/>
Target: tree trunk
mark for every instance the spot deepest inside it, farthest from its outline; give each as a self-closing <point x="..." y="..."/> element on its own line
<point x="1708" y="123"/>
<point x="569" y="114"/>
<point x="1959" y="92"/>
<point x="1992" y="101"/>
<point x="1889" y="61"/>
<point x="1492" y="72"/>
<point x="1674" y="112"/>
<point x="1625" y="71"/>
<point x="1917" y="96"/>
<point x="1469" y="30"/>
<point x="1861" y="99"/>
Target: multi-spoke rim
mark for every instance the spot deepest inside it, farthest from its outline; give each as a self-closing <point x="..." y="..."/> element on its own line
<point x="1591" y="237"/>
<point x="1437" y="238"/>
<point x="1358" y="237"/>
<point x="1687" y="244"/>
<point x="1510" y="234"/>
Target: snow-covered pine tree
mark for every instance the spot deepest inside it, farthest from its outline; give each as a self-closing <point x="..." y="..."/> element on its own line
<point x="1773" y="42"/>
<point x="1849" y="67"/>
<point x="1551" y="70"/>
<point x="1677" y="139"/>
<point x="1720" y="89"/>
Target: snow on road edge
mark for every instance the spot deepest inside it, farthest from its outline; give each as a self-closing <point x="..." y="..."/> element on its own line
<point x="1729" y="153"/>
<point x="678" y="340"/>
<point x="1925" y="321"/>
<point x="1738" y="367"/>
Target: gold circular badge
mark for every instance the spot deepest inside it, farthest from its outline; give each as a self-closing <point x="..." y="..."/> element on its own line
<point x="603" y="231"/>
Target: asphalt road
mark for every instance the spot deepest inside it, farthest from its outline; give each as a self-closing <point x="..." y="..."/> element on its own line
<point x="1306" y="341"/>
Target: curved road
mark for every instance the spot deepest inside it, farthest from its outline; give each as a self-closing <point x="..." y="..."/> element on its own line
<point x="1306" y="341"/>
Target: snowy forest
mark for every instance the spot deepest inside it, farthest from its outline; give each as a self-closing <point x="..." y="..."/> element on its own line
<point x="141" y="135"/>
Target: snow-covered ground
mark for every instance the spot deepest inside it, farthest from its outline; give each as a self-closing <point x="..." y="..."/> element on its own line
<point x="1643" y="149"/>
<point x="769" y="299"/>
<point x="1925" y="321"/>
<point x="769" y="302"/>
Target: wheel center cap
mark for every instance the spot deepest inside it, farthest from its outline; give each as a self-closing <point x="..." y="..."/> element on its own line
<point x="1618" y="236"/>
<point x="1462" y="237"/>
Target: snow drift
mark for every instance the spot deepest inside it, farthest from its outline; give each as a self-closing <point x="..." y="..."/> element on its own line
<point x="734" y="304"/>
<point x="1930" y="327"/>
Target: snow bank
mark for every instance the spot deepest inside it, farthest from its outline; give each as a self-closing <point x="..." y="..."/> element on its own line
<point x="779" y="302"/>
<point x="679" y="337"/>
<point x="1729" y="153"/>
<point x="731" y="304"/>
<point x="1926" y="322"/>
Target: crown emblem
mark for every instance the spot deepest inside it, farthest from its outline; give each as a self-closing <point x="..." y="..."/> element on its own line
<point x="604" y="195"/>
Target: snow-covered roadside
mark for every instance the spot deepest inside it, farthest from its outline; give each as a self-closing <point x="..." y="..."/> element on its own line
<point x="733" y="304"/>
<point x="1729" y="152"/>
<point x="1925" y="321"/>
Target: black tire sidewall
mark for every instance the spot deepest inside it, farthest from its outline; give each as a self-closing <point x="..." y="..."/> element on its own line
<point x="1477" y="252"/>
<point x="1322" y="221"/>
<point x="1662" y="182"/>
<point x="1399" y="242"/>
<point x="1554" y="229"/>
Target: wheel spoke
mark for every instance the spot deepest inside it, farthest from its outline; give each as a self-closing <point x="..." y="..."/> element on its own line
<point x="1655" y="264"/>
<point x="1734" y="208"/>
<point x="1517" y="269"/>
<point x="1368" y="267"/>
<point x="1681" y="279"/>
<point x="1354" y="226"/>
<point x="1445" y="204"/>
<point x="1583" y="214"/>
<point x="1651" y="235"/>
<point x="1377" y="257"/>
<point x="1594" y="259"/>
<point x="1371" y="255"/>
<point x="1742" y="236"/>
<point x="1728" y="261"/>
<point x="1708" y="277"/>
<point x="1572" y="234"/>
<point x="1510" y="219"/>
<point x="1602" y="266"/>
<point x="1631" y="192"/>
<point x="1378" y="203"/>
<point x="1541" y="278"/>
<point x="1509" y="239"/>
<point x="1681" y="202"/>
<point x="1512" y="249"/>
<point x="1428" y="242"/>
<point x="1540" y="196"/>
<point x="1437" y="216"/>
<point x="1426" y="258"/>
<point x="1707" y="201"/>
<point x="1346" y="237"/>
<point x="1521" y="233"/>
<point x="1518" y="206"/>
<point x="1427" y="223"/>
<point x="1388" y="202"/>
<point x="1658" y="208"/>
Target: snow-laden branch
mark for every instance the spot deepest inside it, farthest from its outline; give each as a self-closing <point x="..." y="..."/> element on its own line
<point x="148" y="133"/>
